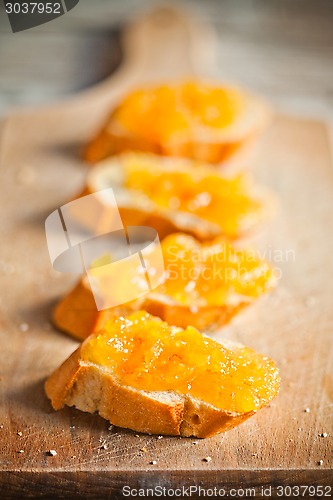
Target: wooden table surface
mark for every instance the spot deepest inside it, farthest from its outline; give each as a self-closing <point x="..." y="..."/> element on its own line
<point x="282" y="444"/>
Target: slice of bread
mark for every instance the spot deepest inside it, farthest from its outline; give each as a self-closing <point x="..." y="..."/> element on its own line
<point x="186" y="126"/>
<point x="76" y="313"/>
<point x="91" y="385"/>
<point x="176" y="194"/>
<point x="205" y="286"/>
<point x="92" y="389"/>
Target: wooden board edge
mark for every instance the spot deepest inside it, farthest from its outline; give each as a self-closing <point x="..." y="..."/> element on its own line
<point x="74" y="484"/>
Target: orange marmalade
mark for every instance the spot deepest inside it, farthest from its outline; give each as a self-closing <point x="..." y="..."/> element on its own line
<point x="196" y="274"/>
<point x="212" y="273"/>
<point x="164" y="111"/>
<point x="144" y="352"/>
<point x="229" y="202"/>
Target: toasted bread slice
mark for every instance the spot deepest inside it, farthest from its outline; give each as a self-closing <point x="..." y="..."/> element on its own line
<point x="174" y="194"/>
<point x="76" y="313"/>
<point x="198" y="120"/>
<point x="205" y="286"/>
<point x="142" y="374"/>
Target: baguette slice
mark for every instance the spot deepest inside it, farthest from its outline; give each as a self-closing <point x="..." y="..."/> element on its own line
<point x="198" y="120"/>
<point x="144" y="375"/>
<point x="175" y="194"/>
<point x="76" y="313"/>
<point x="206" y="285"/>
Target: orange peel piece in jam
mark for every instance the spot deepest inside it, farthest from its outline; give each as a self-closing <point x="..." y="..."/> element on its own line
<point x="146" y="353"/>
<point x="194" y="119"/>
<point x="174" y="195"/>
<point x="204" y="285"/>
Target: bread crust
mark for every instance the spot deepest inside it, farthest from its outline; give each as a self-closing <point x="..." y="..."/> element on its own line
<point x="77" y="314"/>
<point x="205" y="318"/>
<point x="92" y="389"/>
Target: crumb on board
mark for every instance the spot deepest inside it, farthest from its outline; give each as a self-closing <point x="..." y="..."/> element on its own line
<point x="320" y="462"/>
<point x="307" y="410"/>
<point x="159" y="437"/>
<point x="143" y="449"/>
<point x="207" y="459"/>
<point x="153" y="462"/>
<point x="136" y="435"/>
<point x="20" y="433"/>
<point x="52" y="453"/>
<point x="1" y="426"/>
<point x="323" y="435"/>
<point x="20" y="451"/>
<point x="104" y="447"/>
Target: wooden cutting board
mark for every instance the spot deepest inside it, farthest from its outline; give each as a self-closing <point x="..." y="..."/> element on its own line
<point x="40" y="170"/>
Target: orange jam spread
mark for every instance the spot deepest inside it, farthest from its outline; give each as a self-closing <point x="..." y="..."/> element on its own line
<point x="146" y="353"/>
<point x="160" y="112"/>
<point x="196" y="274"/>
<point x="212" y="273"/>
<point x="201" y="191"/>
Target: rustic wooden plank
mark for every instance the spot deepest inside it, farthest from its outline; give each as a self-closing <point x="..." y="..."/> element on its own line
<point x="96" y="485"/>
<point x="40" y="169"/>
